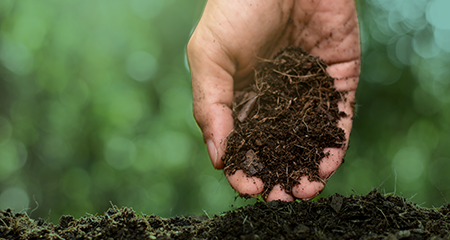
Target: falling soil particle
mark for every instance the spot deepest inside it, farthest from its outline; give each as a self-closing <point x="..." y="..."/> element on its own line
<point x="285" y="120"/>
<point x="371" y="216"/>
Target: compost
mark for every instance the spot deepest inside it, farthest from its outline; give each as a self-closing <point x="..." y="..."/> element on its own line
<point x="371" y="216"/>
<point x="285" y="120"/>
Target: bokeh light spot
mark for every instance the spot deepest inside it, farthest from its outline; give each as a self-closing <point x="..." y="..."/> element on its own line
<point x="396" y="23"/>
<point x="141" y="66"/>
<point x="379" y="69"/>
<point x="442" y="38"/>
<point x="423" y="134"/>
<point x="120" y="153"/>
<point x="424" y="44"/>
<point x="176" y="149"/>
<point x="13" y="156"/>
<point x="403" y="49"/>
<point x="386" y="4"/>
<point x="15" y="56"/>
<point x="14" y="198"/>
<point x="409" y="163"/>
<point x="437" y="13"/>
<point x="30" y="30"/>
<point x="412" y="9"/>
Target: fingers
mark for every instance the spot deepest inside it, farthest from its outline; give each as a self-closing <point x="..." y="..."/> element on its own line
<point x="306" y="189"/>
<point x="331" y="162"/>
<point x="278" y="193"/>
<point x="346" y="74"/>
<point x="212" y="73"/>
<point x="216" y="126"/>
<point x="335" y="156"/>
<point x="212" y="95"/>
<point x="252" y="186"/>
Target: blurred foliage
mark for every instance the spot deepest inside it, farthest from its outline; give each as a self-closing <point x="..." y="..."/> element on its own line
<point x="401" y="132"/>
<point x="95" y="106"/>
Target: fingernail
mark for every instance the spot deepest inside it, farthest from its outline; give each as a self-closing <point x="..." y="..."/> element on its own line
<point x="212" y="151"/>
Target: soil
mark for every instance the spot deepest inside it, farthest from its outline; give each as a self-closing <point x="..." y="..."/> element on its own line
<point x="285" y="120"/>
<point x="371" y="216"/>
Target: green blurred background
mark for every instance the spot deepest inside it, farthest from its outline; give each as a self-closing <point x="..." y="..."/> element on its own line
<point x="95" y="106"/>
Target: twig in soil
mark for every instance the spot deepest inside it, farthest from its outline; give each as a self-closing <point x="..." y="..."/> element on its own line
<point x="4" y="223"/>
<point x="288" y="75"/>
<point x="382" y="213"/>
<point x="48" y="215"/>
<point x="206" y="213"/>
<point x="247" y="108"/>
<point x="112" y="205"/>
<point x="442" y="195"/>
<point x="395" y="180"/>
<point x="307" y="128"/>
<point x="409" y="199"/>
<point x="317" y="60"/>
<point x="37" y="205"/>
<point x="261" y="59"/>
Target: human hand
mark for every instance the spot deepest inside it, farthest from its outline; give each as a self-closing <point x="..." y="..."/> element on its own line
<point x="223" y="53"/>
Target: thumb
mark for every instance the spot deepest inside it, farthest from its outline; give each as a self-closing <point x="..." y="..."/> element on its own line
<point x="212" y="73"/>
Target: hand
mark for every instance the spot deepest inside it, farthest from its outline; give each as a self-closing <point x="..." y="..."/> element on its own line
<point x="223" y="53"/>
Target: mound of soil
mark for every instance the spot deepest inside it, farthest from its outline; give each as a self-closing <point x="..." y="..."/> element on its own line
<point x="371" y="216"/>
<point x="284" y="121"/>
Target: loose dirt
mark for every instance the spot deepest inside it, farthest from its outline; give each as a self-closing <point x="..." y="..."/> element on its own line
<point x="371" y="216"/>
<point x="284" y="121"/>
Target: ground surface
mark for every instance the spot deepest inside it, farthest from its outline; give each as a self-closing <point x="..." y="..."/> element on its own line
<point x="371" y="216"/>
<point x="285" y="120"/>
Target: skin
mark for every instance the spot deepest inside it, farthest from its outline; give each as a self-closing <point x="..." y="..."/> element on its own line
<point x="223" y="53"/>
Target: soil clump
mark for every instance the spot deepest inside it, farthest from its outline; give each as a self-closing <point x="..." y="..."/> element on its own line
<point x="371" y="216"/>
<point x="285" y="120"/>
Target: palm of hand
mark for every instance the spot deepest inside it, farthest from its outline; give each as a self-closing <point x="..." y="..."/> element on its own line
<point x="222" y="53"/>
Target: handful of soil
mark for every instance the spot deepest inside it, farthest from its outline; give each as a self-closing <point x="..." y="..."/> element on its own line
<point x="284" y="121"/>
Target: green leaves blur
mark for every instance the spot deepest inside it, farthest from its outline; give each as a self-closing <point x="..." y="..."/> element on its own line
<point x="96" y="106"/>
<point x="401" y="128"/>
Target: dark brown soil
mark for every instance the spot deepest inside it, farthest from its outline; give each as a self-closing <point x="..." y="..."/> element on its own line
<point x="371" y="216"/>
<point x="284" y="121"/>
